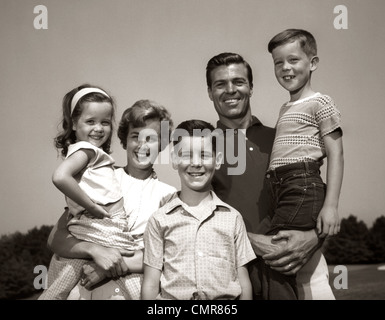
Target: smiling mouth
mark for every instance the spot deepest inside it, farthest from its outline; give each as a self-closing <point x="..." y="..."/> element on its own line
<point x="231" y="101"/>
<point x="195" y="174"/>
<point x="97" y="137"/>
<point x="142" y="154"/>
<point x="288" y="77"/>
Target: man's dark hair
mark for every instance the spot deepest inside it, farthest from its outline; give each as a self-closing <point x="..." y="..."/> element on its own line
<point x="226" y="59"/>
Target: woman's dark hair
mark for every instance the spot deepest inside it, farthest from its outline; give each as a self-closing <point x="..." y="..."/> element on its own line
<point x="138" y="114"/>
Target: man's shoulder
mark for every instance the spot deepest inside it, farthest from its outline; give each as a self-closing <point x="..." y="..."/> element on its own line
<point x="261" y="135"/>
<point x="258" y="124"/>
<point x="222" y="205"/>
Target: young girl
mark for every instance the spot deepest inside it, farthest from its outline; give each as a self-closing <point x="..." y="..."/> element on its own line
<point x="87" y="179"/>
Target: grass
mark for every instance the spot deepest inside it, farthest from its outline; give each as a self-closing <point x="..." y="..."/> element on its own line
<point x="364" y="282"/>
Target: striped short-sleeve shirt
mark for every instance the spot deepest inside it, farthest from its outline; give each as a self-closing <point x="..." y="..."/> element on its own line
<point x="301" y="126"/>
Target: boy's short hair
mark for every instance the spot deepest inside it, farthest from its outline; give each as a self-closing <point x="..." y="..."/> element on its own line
<point x="305" y="39"/>
<point x="194" y="128"/>
<point x="226" y="59"/>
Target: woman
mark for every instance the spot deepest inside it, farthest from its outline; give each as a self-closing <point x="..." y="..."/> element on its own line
<point x="140" y="135"/>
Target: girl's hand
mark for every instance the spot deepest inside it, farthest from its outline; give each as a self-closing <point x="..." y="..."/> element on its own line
<point x="97" y="211"/>
<point x="328" y="222"/>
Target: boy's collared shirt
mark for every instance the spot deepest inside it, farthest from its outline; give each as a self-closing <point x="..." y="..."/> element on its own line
<point x="198" y="249"/>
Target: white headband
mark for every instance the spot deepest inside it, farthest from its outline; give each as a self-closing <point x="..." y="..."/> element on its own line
<point x="81" y="93"/>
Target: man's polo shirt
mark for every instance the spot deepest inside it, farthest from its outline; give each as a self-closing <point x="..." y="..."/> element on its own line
<point x="198" y="249"/>
<point x="247" y="192"/>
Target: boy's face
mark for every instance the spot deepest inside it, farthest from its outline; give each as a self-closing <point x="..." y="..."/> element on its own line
<point x="293" y="67"/>
<point x="196" y="162"/>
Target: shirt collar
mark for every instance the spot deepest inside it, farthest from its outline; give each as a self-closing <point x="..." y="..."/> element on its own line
<point x="176" y="202"/>
<point x="254" y="122"/>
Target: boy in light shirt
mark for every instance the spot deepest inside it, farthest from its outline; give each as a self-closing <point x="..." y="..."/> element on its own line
<point x="196" y="246"/>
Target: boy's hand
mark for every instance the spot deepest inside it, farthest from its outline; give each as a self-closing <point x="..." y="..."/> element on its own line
<point x="328" y="222"/>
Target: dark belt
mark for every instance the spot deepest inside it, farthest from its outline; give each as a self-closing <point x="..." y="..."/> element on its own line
<point x="300" y="166"/>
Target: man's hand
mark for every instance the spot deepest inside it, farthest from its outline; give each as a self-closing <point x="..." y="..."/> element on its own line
<point x="290" y="258"/>
<point x="264" y="244"/>
<point x="110" y="260"/>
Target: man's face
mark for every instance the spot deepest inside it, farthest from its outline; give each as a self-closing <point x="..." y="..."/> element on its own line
<point x="230" y="91"/>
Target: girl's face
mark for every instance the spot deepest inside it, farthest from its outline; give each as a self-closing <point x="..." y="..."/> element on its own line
<point x="143" y="145"/>
<point x="95" y="123"/>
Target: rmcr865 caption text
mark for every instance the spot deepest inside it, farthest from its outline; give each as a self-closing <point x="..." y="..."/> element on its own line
<point x="196" y="309"/>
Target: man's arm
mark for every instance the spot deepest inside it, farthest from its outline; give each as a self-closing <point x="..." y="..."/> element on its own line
<point x="287" y="251"/>
<point x="263" y="244"/>
<point x="65" y="245"/>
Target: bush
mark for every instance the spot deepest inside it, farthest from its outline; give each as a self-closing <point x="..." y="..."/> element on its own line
<point x="355" y="243"/>
<point x="19" y="254"/>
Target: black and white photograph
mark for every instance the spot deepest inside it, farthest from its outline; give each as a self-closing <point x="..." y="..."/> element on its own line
<point x="192" y="150"/>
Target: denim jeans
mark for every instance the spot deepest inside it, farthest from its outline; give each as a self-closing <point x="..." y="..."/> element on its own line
<point x="297" y="195"/>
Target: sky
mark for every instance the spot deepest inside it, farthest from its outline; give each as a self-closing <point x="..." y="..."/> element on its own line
<point x="158" y="50"/>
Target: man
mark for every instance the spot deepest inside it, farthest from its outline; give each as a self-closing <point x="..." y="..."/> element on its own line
<point x="230" y="86"/>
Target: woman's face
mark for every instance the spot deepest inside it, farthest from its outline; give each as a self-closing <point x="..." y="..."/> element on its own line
<point x="143" y="145"/>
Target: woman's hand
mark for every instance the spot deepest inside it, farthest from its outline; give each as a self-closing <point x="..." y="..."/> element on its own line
<point x="92" y="275"/>
<point x="111" y="260"/>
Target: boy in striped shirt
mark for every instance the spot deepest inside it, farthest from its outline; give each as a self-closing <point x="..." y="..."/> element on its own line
<point x="308" y="130"/>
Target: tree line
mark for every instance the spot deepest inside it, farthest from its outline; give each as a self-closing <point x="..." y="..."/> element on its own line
<point x="21" y="253"/>
<point x="356" y="243"/>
